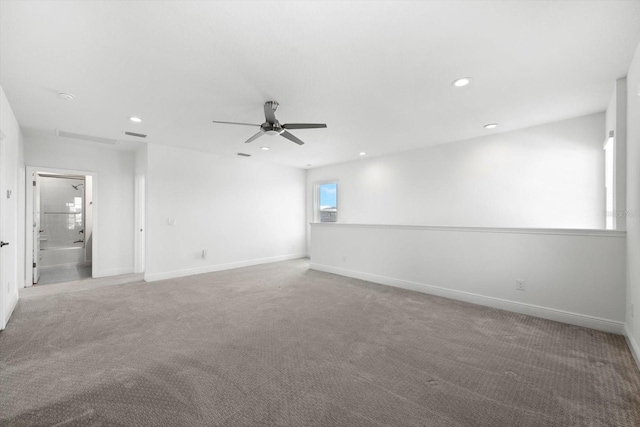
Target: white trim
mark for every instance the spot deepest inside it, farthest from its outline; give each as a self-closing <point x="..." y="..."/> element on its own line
<point x="552" y="231"/>
<point x="633" y="345"/>
<point x="499" y="303"/>
<point x="218" y="267"/>
<point x="29" y="170"/>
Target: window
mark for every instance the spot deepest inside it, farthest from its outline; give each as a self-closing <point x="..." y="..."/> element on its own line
<point x="609" y="182"/>
<point x="326" y="202"/>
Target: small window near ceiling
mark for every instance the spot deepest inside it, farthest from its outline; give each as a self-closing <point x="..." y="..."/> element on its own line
<point x="609" y="182"/>
<point x="326" y="202"/>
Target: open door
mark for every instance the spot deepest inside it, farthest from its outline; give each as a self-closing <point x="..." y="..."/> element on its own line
<point x="2" y="234"/>
<point x="36" y="228"/>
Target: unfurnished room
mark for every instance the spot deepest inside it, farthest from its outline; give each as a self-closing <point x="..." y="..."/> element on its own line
<point x="320" y="213"/>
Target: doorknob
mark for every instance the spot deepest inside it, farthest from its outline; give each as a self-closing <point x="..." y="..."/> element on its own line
<point x="3" y="244"/>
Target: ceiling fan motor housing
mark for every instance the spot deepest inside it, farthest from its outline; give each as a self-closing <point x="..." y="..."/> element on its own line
<point x="272" y="128"/>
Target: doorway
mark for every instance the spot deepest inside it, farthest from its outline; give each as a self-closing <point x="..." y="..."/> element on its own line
<point x="61" y="208"/>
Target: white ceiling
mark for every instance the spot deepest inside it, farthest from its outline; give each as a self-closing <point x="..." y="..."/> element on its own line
<point x="378" y="73"/>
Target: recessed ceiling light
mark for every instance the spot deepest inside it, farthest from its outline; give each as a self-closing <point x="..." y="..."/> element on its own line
<point x="491" y="126"/>
<point x="461" y="82"/>
<point x="264" y="148"/>
<point x="362" y="153"/>
<point x="135" y="119"/>
<point x="65" y="96"/>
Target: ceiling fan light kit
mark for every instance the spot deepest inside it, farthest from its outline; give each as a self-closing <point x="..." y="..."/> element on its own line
<point x="272" y="126"/>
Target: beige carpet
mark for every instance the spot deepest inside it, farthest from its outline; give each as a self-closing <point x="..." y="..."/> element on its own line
<point x="280" y="345"/>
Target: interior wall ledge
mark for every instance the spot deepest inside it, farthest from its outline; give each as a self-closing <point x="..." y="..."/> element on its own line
<point x="514" y="230"/>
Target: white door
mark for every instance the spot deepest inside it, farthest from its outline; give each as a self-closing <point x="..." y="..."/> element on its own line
<point x="3" y="242"/>
<point x="36" y="227"/>
<point x="140" y="242"/>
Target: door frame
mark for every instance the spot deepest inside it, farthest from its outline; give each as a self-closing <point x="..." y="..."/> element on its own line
<point x="29" y="218"/>
<point x="3" y="214"/>
<point x="140" y="223"/>
<point x="36" y="225"/>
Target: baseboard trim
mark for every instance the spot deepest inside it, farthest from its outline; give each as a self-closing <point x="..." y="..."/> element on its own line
<point x="218" y="267"/>
<point x="111" y="272"/>
<point x="576" y="319"/>
<point x="633" y="345"/>
<point x="12" y="307"/>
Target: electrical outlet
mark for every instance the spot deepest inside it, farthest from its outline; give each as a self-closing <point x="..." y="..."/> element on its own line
<point x="520" y="284"/>
<point x="204" y="254"/>
<point x="171" y="221"/>
<point x="344" y="258"/>
<point x="631" y="310"/>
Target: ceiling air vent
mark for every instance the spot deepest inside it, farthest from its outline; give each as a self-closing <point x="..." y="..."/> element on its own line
<point x="66" y="134"/>
<point x="138" y="135"/>
<point x="243" y="154"/>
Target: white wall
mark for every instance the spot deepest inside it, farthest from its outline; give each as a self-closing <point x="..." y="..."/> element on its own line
<point x="548" y="176"/>
<point x="544" y="179"/>
<point x="241" y="211"/>
<point x="572" y="276"/>
<point x="633" y="204"/>
<point x="113" y="221"/>
<point x="12" y="215"/>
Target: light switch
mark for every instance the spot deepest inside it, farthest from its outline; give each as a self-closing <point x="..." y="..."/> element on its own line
<point x="171" y="221"/>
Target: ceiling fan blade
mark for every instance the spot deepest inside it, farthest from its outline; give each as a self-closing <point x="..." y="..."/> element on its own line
<point x="270" y="111"/>
<point x="235" y="123"/>
<point x="291" y="138"/>
<point x="254" y="137"/>
<point x="304" y="125"/>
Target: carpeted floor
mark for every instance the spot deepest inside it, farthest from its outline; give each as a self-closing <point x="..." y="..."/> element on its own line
<point x="281" y="345"/>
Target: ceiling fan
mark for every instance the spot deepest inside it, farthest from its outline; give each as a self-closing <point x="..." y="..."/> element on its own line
<point x="272" y="126"/>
